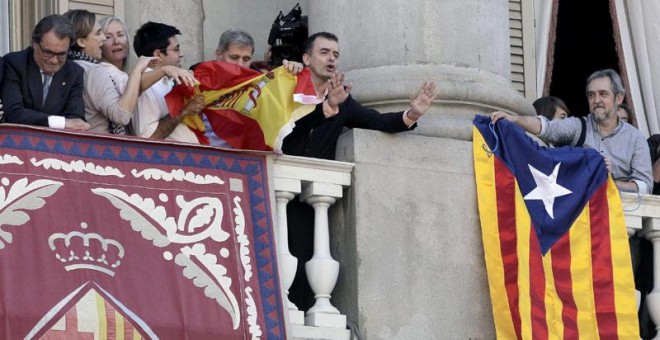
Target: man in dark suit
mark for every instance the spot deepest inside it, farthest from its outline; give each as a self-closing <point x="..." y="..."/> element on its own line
<point x="316" y="134"/>
<point x="40" y="86"/>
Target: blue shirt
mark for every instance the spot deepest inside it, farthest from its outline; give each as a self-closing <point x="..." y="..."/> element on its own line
<point x="625" y="147"/>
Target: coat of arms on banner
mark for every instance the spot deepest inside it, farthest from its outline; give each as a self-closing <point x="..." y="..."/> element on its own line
<point x="117" y="238"/>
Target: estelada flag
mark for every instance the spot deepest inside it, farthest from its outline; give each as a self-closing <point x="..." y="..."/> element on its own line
<point x="248" y="109"/>
<point x="555" y="241"/>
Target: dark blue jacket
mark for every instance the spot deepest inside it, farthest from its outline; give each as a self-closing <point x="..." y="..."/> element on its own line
<point x="22" y="90"/>
<point x="315" y="136"/>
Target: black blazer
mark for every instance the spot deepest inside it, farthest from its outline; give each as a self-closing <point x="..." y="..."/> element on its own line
<point x="315" y="136"/>
<point x="22" y="90"/>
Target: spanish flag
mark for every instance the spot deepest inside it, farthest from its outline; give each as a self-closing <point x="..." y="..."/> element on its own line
<point x="555" y="241"/>
<point x="248" y="109"/>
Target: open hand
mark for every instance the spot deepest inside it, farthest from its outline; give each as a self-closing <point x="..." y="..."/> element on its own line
<point x="292" y="66"/>
<point x="497" y="115"/>
<point x="180" y="76"/>
<point x="76" y="124"/>
<point x="337" y="92"/>
<point x="143" y="62"/>
<point x="422" y="100"/>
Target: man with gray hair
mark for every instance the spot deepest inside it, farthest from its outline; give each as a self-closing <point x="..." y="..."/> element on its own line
<point x="40" y="86"/>
<point x="624" y="147"/>
<point x="236" y="46"/>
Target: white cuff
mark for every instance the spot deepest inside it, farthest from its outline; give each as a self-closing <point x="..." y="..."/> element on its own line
<point x="544" y="123"/>
<point x="409" y="122"/>
<point x="56" y="122"/>
<point x="642" y="188"/>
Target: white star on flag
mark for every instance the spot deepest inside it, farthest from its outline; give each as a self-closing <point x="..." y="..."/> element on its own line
<point x="546" y="189"/>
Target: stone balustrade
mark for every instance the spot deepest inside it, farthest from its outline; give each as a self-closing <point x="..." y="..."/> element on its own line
<point x="643" y="216"/>
<point x="319" y="183"/>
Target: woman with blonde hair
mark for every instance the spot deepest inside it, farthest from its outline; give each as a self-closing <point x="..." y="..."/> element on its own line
<point x="116" y="48"/>
<point x="115" y="57"/>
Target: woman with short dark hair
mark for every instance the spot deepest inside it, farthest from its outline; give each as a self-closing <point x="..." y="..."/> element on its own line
<point x="551" y="107"/>
<point x="627" y="115"/>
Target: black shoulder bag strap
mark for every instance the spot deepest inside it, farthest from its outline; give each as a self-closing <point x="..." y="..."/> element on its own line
<point x="583" y="133"/>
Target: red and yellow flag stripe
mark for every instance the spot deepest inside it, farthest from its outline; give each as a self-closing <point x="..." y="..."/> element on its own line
<point x="582" y="288"/>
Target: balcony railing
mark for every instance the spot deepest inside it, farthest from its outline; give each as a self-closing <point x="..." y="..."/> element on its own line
<point x="320" y="183"/>
<point x="643" y="217"/>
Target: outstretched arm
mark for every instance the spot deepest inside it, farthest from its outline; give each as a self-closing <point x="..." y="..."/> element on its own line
<point x="531" y="124"/>
<point x="179" y="75"/>
<point x="128" y="100"/>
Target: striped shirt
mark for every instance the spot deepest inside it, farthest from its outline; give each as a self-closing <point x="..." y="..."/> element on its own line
<point x="625" y="147"/>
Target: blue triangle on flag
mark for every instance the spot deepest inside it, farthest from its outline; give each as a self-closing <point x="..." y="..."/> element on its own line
<point x="580" y="170"/>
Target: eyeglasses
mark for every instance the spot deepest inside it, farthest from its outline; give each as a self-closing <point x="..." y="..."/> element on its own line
<point x="176" y="49"/>
<point x="48" y="54"/>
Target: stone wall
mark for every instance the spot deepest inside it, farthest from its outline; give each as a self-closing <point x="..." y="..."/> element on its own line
<point x="186" y="15"/>
<point x="201" y="22"/>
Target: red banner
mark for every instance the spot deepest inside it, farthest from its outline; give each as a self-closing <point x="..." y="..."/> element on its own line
<point x="122" y="238"/>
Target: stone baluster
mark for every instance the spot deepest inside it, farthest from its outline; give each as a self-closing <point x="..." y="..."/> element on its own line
<point x="652" y="233"/>
<point x="322" y="184"/>
<point x="322" y="270"/>
<point x="633" y="223"/>
<point x="285" y="191"/>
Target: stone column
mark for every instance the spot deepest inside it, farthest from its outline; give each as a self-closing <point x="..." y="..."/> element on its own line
<point x="387" y="51"/>
<point x="411" y="240"/>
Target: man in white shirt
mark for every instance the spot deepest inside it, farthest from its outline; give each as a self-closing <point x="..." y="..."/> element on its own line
<point x="153" y="118"/>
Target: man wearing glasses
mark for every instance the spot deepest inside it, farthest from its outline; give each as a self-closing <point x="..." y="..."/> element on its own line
<point x="159" y="40"/>
<point x="40" y="86"/>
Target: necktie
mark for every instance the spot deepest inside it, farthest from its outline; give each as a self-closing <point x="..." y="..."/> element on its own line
<point x="47" y="79"/>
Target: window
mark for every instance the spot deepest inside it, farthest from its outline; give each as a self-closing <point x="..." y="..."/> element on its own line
<point x="521" y="34"/>
<point x="17" y="18"/>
